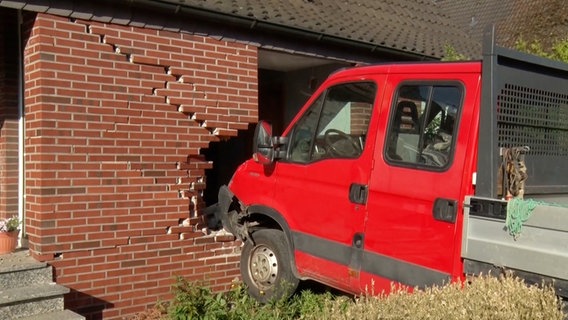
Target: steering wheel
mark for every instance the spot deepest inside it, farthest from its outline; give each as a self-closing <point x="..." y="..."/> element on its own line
<point x="342" y="144"/>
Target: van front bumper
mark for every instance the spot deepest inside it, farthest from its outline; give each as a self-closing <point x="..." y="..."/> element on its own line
<point x="228" y="211"/>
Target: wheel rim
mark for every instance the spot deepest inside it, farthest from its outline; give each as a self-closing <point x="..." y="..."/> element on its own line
<point x="263" y="267"/>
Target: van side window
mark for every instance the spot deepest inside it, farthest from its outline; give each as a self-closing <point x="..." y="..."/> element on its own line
<point x="335" y="125"/>
<point x="422" y="125"/>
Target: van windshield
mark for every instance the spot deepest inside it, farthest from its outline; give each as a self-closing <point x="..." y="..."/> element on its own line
<point x="335" y="125"/>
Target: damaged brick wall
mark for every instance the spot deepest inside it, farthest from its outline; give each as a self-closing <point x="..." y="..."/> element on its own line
<point x="116" y="118"/>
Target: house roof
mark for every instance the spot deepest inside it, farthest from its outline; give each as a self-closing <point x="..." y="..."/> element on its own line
<point x="419" y="27"/>
<point x="415" y="29"/>
<point x="474" y="16"/>
<point x="545" y="21"/>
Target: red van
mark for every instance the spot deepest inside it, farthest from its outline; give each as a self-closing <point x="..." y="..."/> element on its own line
<point x="395" y="173"/>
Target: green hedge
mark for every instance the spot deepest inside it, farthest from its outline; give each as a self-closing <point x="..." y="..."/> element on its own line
<point x="491" y="298"/>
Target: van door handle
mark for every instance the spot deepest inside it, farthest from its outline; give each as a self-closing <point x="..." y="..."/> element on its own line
<point x="358" y="193"/>
<point x="445" y="210"/>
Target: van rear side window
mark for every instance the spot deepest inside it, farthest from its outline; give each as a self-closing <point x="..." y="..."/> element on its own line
<point x="335" y="125"/>
<point x="423" y="125"/>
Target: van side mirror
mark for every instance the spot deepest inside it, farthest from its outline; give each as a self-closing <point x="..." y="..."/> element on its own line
<point x="263" y="146"/>
<point x="267" y="148"/>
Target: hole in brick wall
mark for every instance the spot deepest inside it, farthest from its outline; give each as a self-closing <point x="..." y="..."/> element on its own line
<point x="58" y="255"/>
<point x="226" y="156"/>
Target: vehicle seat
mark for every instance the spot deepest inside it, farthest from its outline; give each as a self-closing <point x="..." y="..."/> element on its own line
<point x="405" y="133"/>
<point x="406" y="117"/>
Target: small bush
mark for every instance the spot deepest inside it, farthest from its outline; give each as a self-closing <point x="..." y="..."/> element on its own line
<point x="451" y="54"/>
<point x="558" y="51"/>
<point x="485" y="298"/>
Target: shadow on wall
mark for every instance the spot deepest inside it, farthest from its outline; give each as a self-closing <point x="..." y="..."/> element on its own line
<point x="88" y="306"/>
<point x="84" y="304"/>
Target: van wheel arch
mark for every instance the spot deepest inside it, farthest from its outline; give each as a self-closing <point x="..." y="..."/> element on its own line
<point x="268" y="218"/>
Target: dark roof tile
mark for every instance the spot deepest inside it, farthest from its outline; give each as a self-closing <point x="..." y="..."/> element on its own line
<point x="409" y="25"/>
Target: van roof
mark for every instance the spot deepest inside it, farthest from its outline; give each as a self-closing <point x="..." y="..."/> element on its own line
<point x="411" y="67"/>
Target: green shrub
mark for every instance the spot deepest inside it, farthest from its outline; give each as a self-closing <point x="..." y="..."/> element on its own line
<point x="192" y="301"/>
<point x="451" y="54"/>
<point x="485" y="298"/>
<point x="558" y="51"/>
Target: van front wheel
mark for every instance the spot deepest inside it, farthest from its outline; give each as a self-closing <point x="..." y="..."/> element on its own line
<point x="265" y="266"/>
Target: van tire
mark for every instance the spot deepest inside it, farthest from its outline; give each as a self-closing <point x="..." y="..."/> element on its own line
<point x="266" y="266"/>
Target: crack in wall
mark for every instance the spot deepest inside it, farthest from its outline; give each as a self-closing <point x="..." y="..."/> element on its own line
<point x="179" y="79"/>
<point x="195" y="188"/>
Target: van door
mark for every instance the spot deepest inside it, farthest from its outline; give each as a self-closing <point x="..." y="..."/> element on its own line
<point x="415" y="189"/>
<point x="322" y="183"/>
